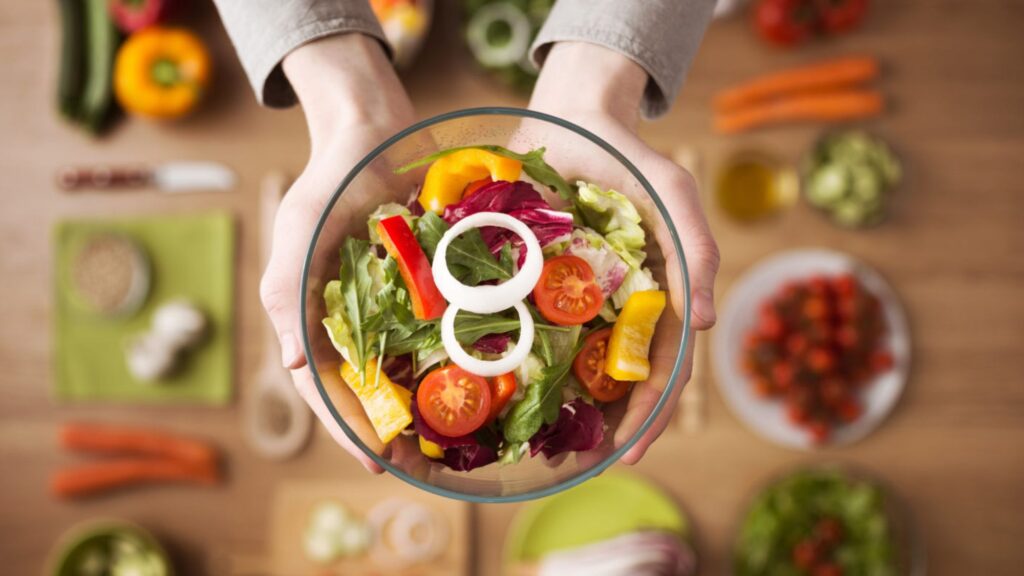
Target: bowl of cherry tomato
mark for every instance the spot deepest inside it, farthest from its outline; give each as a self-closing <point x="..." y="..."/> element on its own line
<point x="812" y="349"/>
<point x="494" y="305"/>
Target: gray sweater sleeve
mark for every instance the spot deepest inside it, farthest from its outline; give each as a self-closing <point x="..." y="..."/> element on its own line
<point x="265" y="31"/>
<point x="662" y="36"/>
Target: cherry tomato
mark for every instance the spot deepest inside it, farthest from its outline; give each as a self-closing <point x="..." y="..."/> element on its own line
<point x="502" y="389"/>
<point x="785" y="22"/>
<point x="881" y="361"/>
<point x="472" y="187"/>
<point x="828" y="531"/>
<point x="820" y="360"/>
<point x="849" y="410"/>
<point x="588" y="367"/>
<point x="805" y="554"/>
<point x="454" y="402"/>
<point x="827" y="569"/>
<point x="841" y="15"/>
<point x="819" y="431"/>
<point x="567" y="293"/>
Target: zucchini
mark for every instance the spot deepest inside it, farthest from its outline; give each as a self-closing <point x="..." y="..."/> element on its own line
<point x="71" y="75"/>
<point x="102" y="39"/>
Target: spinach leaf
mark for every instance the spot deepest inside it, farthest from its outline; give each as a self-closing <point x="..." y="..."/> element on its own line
<point x="533" y="164"/>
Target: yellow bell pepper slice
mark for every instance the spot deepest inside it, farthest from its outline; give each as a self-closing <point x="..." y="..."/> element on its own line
<point x="449" y="175"/>
<point x="630" y="342"/>
<point x="386" y="404"/>
<point x="430" y="449"/>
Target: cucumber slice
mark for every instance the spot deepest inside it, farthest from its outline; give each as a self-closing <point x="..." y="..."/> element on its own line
<point x="499" y="35"/>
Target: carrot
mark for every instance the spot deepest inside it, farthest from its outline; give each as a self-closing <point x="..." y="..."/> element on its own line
<point x="103" y="439"/>
<point x="99" y="477"/>
<point x="831" y="106"/>
<point x="829" y="75"/>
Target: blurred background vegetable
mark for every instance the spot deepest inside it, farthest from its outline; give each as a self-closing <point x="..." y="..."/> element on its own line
<point x="499" y="34"/>
<point x="161" y="72"/>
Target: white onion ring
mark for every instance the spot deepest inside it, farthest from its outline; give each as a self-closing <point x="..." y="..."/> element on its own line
<point x="488" y="368"/>
<point x="488" y="299"/>
<point x="393" y="522"/>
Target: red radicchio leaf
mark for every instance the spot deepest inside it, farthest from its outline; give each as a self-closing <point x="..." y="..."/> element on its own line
<point x="580" y="426"/>
<point x="492" y="343"/>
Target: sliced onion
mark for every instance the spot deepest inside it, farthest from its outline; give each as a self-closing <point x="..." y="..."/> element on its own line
<point x="488" y="299"/>
<point x="395" y="523"/>
<point x="488" y="368"/>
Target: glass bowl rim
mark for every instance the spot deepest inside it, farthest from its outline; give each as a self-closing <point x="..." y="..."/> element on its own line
<point x="673" y="233"/>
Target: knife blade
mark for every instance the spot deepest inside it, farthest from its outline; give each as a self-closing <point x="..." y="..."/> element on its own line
<point x="172" y="177"/>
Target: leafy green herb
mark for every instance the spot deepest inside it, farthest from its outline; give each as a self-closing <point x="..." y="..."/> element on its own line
<point x="357" y="294"/>
<point x="429" y="230"/>
<point x="471" y="262"/>
<point x="540" y="404"/>
<point x="468" y="257"/>
<point x="470" y="327"/>
<point x="533" y="164"/>
<point x="425" y="338"/>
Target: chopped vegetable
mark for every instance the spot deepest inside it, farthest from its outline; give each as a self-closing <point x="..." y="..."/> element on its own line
<point x="849" y="175"/>
<point x="588" y="367"/>
<point x="448" y="176"/>
<point x="614" y="216"/>
<point x="488" y="367"/>
<point x="502" y="389"/>
<point x="637" y="280"/>
<point x="454" y="402"/>
<point x="580" y="426"/>
<point x="540" y="404"/>
<point x="630" y="341"/>
<point x="134" y="15"/>
<point x="398" y="240"/>
<point x="814" y="521"/>
<point x="384" y="211"/>
<point x="567" y="293"/>
<point x="609" y="269"/>
<point x="833" y="74"/>
<point x="386" y="404"/>
<point x="430" y="450"/>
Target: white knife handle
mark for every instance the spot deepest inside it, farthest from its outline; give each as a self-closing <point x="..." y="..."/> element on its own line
<point x="103" y="177"/>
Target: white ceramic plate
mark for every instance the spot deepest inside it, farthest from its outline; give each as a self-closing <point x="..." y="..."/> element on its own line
<point x="767" y="417"/>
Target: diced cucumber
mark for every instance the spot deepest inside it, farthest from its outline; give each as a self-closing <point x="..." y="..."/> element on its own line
<point x="828" y="185"/>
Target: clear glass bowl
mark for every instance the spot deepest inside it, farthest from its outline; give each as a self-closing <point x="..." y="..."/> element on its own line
<point x="574" y="152"/>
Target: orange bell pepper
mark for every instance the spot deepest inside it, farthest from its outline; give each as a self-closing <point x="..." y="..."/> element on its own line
<point x="161" y="72"/>
<point x="449" y="175"/>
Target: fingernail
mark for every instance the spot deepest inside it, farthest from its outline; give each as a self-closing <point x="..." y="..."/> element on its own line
<point x="290" y="352"/>
<point x="704" y="305"/>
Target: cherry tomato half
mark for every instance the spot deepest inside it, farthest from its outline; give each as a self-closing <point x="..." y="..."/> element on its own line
<point x="588" y="367"/>
<point x="454" y="402"/>
<point x="567" y="293"/>
<point x="502" y="389"/>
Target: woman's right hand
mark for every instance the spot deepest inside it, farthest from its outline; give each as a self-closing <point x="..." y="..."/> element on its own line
<point x="352" y="101"/>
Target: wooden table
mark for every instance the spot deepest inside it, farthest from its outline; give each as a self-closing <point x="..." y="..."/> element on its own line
<point x="954" y="250"/>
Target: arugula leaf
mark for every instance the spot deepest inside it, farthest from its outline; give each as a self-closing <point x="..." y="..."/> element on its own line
<point x="468" y="257"/>
<point x="425" y="338"/>
<point x="505" y="259"/>
<point x="470" y="327"/>
<point x="429" y="229"/>
<point x="540" y="404"/>
<point x="357" y="294"/>
<point x="533" y="164"/>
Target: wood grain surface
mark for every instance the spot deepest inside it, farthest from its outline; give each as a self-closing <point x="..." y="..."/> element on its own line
<point x="954" y="249"/>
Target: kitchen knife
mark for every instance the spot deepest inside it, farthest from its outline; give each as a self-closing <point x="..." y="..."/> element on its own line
<point x="168" y="177"/>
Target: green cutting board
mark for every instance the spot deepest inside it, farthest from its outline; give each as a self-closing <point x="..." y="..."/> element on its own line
<point x="599" y="509"/>
<point x="190" y="257"/>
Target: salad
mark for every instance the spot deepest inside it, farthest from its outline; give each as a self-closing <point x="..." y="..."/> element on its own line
<point x="498" y="312"/>
<point x="817" y="522"/>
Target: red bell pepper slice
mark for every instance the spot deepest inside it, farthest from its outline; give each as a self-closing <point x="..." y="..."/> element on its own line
<point x="401" y="244"/>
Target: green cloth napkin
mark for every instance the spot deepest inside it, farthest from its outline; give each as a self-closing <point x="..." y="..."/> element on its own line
<point x="190" y="257"/>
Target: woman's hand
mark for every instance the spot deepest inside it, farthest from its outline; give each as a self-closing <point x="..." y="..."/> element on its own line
<point x="601" y="90"/>
<point x="353" y="101"/>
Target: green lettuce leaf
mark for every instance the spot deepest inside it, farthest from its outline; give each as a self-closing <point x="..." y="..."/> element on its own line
<point x="386" y="211"/>
<point x="336" y="321"/>
<point x="616" y="218"/>
<point x="635" y="281"/>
